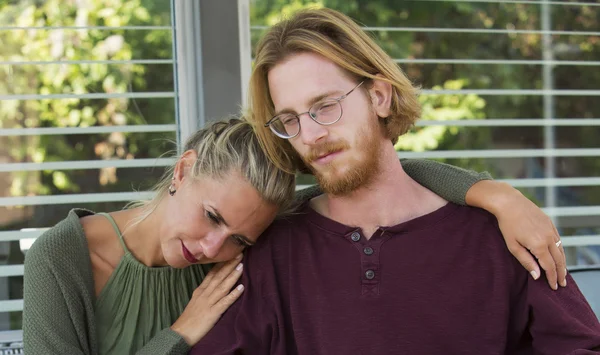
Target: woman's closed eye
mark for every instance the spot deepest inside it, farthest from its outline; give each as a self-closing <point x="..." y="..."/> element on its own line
<point x="239" y="241"/>
<point x="212" y="217"/>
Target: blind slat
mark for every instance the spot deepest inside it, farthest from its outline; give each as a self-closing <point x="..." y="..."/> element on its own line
<point x="581" y="240"/>
<point x="513" y="122"/>
<point x="508" y="92"/>
<point x="87" y="130"/>
<point x="572" y="211"/>
<point x="528" y="2"/>
<point x="500" y="61"/>
<point x="83" y="28"/>
<point x="587" y="181"/>
<point x="74" y="198"/>
<point x="11" y="270"/>
<point x="128" y="95"/>
<point x="11" y="305"/>
<point x="87" y="164"/>
<point x="79" y="62"/>
<point x="467" y="30"/>
<point x="481" y="31"/>
<point x="8" y="236"/>
<point x="502" y="153"/>
<point x="11" y="336"/>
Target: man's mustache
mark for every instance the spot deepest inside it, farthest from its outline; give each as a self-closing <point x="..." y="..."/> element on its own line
<point x="324" y="149"/>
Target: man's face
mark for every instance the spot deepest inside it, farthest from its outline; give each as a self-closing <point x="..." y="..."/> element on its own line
<point x="343" y="156"/>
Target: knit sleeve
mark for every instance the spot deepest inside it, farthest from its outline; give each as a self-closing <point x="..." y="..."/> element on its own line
<point x="166" y="342"/>
<point x="48" y="327"/>
<point x="450" y="182"/>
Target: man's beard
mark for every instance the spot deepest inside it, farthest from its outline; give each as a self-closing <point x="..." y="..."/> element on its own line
<point x="359" y="171"/>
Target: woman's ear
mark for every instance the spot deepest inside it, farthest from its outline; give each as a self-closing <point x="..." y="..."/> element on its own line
<point x="183" y="166"/>
<point x="381" y="96"/>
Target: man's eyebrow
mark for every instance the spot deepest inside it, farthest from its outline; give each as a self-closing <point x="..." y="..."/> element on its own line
<point x="311" y="102"/>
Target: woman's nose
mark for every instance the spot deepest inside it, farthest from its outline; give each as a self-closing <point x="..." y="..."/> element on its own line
<point x="212" y="244"/>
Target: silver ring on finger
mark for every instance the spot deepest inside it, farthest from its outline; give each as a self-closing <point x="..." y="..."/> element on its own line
<point x="558" y="243"/>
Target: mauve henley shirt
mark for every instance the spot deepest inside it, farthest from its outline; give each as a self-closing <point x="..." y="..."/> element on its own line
<point x="442" y="283"/>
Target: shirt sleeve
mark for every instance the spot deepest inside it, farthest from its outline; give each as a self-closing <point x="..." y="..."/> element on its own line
<point x="166" y="342"/>
<point x="561" y="321"/>
<point x="450" y="182"/>
<point x="48" y="327"/>
<point x="249" y="326"/>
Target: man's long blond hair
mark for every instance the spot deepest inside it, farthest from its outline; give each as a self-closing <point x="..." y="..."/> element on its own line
<point x="339" y="39"/>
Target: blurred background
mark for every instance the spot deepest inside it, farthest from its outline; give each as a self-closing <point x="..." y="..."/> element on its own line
<point x="96" y="94"/>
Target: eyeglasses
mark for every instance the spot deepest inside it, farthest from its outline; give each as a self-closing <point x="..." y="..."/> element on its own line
<point x="325" y="112"/>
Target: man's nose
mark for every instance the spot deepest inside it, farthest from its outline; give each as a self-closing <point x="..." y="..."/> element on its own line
<point x="310" y="131"/>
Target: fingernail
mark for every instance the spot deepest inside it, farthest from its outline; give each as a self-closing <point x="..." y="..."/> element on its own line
<point x="240" y="288"/>
<point x="534" y="274"/>
<point x="564" y="283"/>
<point x="239" y="267"/>
<point x="239" y="256"/>
<point x="555" y="287"/>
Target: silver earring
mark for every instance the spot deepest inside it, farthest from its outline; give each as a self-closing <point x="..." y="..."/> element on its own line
<point x="172" y="189"/>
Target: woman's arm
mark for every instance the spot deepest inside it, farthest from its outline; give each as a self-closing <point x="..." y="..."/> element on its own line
<point x="450" y="182"/>
<point x="48" y="325"/>
<point x="526" y="229"/>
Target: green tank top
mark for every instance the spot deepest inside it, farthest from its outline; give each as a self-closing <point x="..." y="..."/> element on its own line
<point x="139" y="301"/>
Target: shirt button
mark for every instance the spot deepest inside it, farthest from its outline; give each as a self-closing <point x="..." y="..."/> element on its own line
<point x="370" y="274"/>
<point x="355" y="236"/>
<point x="368" y="250"/>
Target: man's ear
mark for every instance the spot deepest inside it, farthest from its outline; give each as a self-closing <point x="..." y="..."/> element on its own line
<point x="183" y="166"/>
<point x="381" y="96"/>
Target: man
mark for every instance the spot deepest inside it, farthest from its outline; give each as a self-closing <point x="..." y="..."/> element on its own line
<point x="377" y="264"/>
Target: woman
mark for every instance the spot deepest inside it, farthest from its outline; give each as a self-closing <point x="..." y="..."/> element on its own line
<point x="133" y="281"/>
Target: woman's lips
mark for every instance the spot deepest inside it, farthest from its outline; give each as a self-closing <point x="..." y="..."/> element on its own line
<point x="187" y="255"/>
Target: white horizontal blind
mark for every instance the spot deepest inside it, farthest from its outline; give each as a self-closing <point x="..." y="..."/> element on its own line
<point x="550" y="152"/>
<point x="25" y="237"/>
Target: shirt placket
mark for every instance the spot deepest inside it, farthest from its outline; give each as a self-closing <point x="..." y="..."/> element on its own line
<point x="370" y="250"/>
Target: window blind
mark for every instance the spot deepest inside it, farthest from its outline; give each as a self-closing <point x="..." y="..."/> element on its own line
<point x="133" y="70"/>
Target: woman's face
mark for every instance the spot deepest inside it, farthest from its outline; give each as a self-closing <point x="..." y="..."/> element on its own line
<point x="212" y="220"/>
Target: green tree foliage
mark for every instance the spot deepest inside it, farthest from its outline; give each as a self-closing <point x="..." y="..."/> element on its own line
<point x="42" y="45"/>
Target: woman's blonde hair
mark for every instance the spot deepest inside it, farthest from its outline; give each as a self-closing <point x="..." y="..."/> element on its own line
<point x="226" y="147"/>
<point x="338" y="38"/>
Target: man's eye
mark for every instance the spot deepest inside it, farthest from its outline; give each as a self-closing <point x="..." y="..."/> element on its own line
<point x="327" y="107"/>
<point x="289" y="121"/>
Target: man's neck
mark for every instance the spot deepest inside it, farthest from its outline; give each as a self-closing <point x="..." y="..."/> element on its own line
<point x="391" y="198"/>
